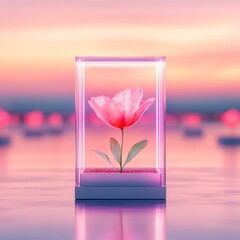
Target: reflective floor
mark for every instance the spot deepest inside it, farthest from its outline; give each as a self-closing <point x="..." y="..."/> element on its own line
<point x="37" y="193"/>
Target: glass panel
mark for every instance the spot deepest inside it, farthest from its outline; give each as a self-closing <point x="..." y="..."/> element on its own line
<point x="120" y="109"/>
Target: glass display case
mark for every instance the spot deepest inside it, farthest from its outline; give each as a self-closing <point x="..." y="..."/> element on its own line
<point x="120" y="128"/>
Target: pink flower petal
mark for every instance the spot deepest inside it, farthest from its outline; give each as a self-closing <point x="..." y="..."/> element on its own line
<point x="130" y="100"/>
<point x="110" y="111"/>
<point x="140" y="111"/>
<point x="97" y="103"/>
<point x="123" y="110"/>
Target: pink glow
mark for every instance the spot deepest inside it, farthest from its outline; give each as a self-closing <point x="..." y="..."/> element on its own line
<point x="34" y="119"/>
<point x="192" y="120"/>
<point x="231" y="118"/>
<point x="4" y="118"/>
<point x="55" y="119"/>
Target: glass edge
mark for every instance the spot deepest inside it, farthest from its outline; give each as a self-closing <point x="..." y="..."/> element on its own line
<point x="120" y="59"/>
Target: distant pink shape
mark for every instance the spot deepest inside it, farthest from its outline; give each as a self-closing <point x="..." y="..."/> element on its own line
<point x="34" y="119"/>
<point x="192" y="119"/>
<point x="231" y="118"/>
<point x="55" y="119"/>
<point x="4" y="118"/>
<point x="123" y="110"/>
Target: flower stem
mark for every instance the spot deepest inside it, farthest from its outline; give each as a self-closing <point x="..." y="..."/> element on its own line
<point x="121" y="153"/>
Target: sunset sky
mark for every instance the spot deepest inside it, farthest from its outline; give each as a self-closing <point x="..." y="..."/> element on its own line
<point x="40" y="38"/>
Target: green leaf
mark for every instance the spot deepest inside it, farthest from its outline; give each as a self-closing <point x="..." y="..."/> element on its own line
<point x="136" y="148"/>
<point x="103" y="155"/>
<point x="115" y="149"/>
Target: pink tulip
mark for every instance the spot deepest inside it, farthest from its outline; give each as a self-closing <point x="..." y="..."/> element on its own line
<point x="123" y="110"/>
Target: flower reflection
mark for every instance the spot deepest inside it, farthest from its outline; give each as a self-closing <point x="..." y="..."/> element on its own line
<point x="118" y="220"/>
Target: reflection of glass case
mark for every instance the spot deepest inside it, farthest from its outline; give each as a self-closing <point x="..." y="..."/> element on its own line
<point x="120" y="128"/>
<point x="113" y="220"/>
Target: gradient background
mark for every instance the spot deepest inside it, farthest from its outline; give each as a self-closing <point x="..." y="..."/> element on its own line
<point x="39" y="40"/>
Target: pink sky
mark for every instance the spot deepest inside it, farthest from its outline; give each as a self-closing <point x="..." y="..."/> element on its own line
<point x="39" y="40"/>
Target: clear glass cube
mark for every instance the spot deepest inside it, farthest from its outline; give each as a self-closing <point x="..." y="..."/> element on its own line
<point x="120" y="127"/>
